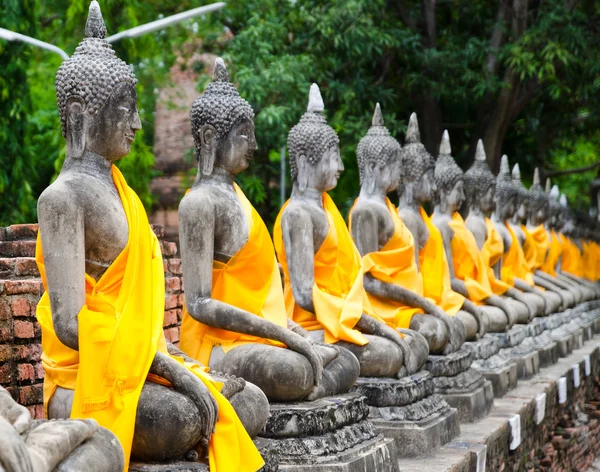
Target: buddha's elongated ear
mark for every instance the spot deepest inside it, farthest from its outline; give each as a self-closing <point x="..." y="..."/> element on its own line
<point x="373" y="174"/>
<point x="76" y="127"/>
<point x="302" y="174"/>
<point x="208" y="148"/>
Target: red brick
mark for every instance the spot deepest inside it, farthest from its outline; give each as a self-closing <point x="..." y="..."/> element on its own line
<point x="173" y="284"/>
<point x="6" y="333"/>
<point x="174" y="266"/>
<point x="26" y="266"/>
<point x="31" y="394"/>
<point x="28" y="352"/>
<point x="20" y="307"/>
<point x="22" y="232"/>
<point x="17" y="248"/>
<point x="24" y="329"/>
<point x="7" y="268"/>
<point x="36" y="411"/>
<point x="39" y="371"/>
<point x="26" y="372"/>
<point x="171" y="301"/>
<point x="6" y="352"/>
<point x="169" y="249"/>
<point x="172" y="317"/>
<point x="172" y="334"/>
<point x="4" y="309"/>
<point x="6" y="374"/>
<point x="181" y="300"/>
<point x="17" y="287"/>
<point x="159" y="230"/>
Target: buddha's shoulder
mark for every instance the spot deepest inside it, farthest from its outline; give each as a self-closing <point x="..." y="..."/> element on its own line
<point x="202" y="198"/>
<point x="63" y="192"/>
<point x="298" y="210"/>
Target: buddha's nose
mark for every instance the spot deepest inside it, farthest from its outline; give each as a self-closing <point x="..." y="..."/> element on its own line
<point x="136" y="124"/>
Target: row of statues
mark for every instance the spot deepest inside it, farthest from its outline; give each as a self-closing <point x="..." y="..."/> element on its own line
<point x="372" y="298"/>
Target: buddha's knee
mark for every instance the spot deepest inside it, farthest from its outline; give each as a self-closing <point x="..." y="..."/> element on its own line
<point x="470" y="324"/>
<point x="553" y="301"/>
<point x="167" y="424"/>
<point x="419" y="350"/>
<point x="344" y="370"/>
<point x="497" y="318"/>
<point x="101" y="453"/>
<point x="380" y="358"/>
<point x="433" y="329"/>
<point x="252" y="408"/>
<point x="519" y="309"/>
<point x="535" y="302"/>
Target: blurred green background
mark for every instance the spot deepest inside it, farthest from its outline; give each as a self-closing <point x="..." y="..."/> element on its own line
<point x="523" y="75"/>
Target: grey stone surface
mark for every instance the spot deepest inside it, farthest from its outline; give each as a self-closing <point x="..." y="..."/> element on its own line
<point x="382" y="392"/>
<point x="449" y="365"/>
<point x="472" y="404"/>
<point x="502" y="377"/>
<point x="528" y="362"/>
<point x="467" y="380"/>
<point x="483" y="348"/>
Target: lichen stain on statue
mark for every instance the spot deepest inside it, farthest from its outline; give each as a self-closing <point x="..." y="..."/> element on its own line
<point x="103" y="309"/>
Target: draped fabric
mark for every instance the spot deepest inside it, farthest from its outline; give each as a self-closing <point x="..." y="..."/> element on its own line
<point x="541" y="241"/>
<point x="250" y="281"/>
<point x="590" y="260"/>
<point x="572" y="261"/>
<point x="120" y="331"/>
<point x="394" y="264"/>
<point x="514" y="263"/>
<point x="468" y="263"/>
<point x="530" y="249"/>
<point x="491" y="252"/>
<point x="435" y="271"/>
<point x="338" y="281"/>
<point x="553" y="255"/>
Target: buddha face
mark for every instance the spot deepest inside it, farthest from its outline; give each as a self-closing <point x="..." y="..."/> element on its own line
<point x="522" y="210"/>
<point x="324" y="175"/>
<point x="391" y="172"/>
<point x="425" y="188"/>
<point x="487" y="203"/>
<point x="111" y="131"/>
<point x="539" y="214"/>
<point x="456" y="196"/>
<point x="236" y="149"/>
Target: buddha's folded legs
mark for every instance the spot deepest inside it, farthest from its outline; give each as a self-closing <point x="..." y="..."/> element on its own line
<point x="419" y="350"/>
<point x="497" y="318"/>
<point x="519" y="309"/>
<point x="433" y="329"/>
<point x="380" y="358"/>
<point x="535" y="302"/>
<point x="553" y="301"/>
<point x="284" y="375"/>
<point x="470" y="324"/>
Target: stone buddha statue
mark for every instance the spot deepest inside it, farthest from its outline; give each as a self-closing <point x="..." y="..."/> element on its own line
<point x="418" y="188"/>
<point x="104" y="352"/>
<point x="392" y="281"/>
<point x="487" y="195"/>
<point x="468" y="273"/>
<point x="322" y="268"/>
<point x="235" y="319"/>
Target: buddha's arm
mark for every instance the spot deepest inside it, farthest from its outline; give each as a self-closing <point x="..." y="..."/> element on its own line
<point x="522" y="285"/>
<point x="552" y="280"/>
<point x="410" y="221"/>
<point x="196" y="232"/>
<point x="456" y="284"/>
<point x="545" y="283"/>
<point x="63" y="242"/>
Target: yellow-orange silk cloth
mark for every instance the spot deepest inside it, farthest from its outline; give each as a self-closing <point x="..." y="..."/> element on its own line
<point x="394" y="264"/>
<point x="554" y="253"/>
<point x="514" y="263"/>
<point x="338" y="281"/>
<point x="120" y="331"/>
<point x="530" y="250"/>
<point x="250" y="281"/>
<point x="468" y="263"/>
<point x="435" y="271"/>
<point x="590" y="260"/>
<point x="542" y="245"/>
<point x="571" y="260"/>
<point x="491" y="252"/>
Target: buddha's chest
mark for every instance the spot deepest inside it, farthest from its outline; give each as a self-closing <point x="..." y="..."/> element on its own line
<point x="231" y="229"/>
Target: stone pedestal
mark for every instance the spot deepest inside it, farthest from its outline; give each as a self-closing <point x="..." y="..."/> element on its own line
<point x="408" y="411"/>
<point x="523" y="354"/>
<point x="502" y="373"/>
<point x="461" y="386"/>
<point x="330" y="434"/>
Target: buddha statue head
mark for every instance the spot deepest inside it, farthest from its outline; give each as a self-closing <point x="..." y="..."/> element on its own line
<point x="449" y="179"/>
<point x="555" y="210"/>
<point x="538" y="201"/>
<point x="418" y="166"/>
<point x="480" y="183"/>
<point x="378" y="156"/>
<point x="568" y="219"/>
<point x="222" y="126"/>
<point x="315" y="160"/>
<point x="522" y="194"/>
<point x="96" y="96"/>
<point x="507" y="193"/>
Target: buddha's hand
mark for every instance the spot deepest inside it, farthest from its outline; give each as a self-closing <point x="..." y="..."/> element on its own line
<point x="479" y="316"/>
<point x="303" y="346"/>
<point x="456" y="337"/>
<point x="384" y="331"/>
<point x="17" y="415"/>
<point x="188" y="384"/>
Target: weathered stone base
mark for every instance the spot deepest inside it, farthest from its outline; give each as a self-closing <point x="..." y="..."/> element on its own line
<point x="503" y="378"/>
<point x="473" y="404"/>
<point x="528" y="363"/>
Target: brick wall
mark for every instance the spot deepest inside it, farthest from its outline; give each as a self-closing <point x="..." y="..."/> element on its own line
<point x="21" y="371"/>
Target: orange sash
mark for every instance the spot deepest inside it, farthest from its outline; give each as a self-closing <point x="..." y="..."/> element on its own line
<point x="338" y="281"/>
<point x="120" y="331"/>
<point x="491" y="252"/>
<point x="514" y="263"/>
<point x="529" y="249"/>
<point x="571" y="261"/>
<point x="468" y="263"/>
<point x="250" y="281"/>
<point x="553" y="255"/>
<point x="394" y="264"/>
<point x="541" y="242"/>
<point x="435" y="271"/>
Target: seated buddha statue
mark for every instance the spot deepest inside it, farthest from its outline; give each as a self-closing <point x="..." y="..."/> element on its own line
<point x="485" y="195"/>
<point x="468" y="273"/>
<point x="322" y="268"/>
<point x="235" y="319"/>
<point x="104" y="352"/>
<point x="418" y="188"/>
<point x="518" y="263"/>
<point x="392" y="282"/>
<point x="538" y="243"/>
